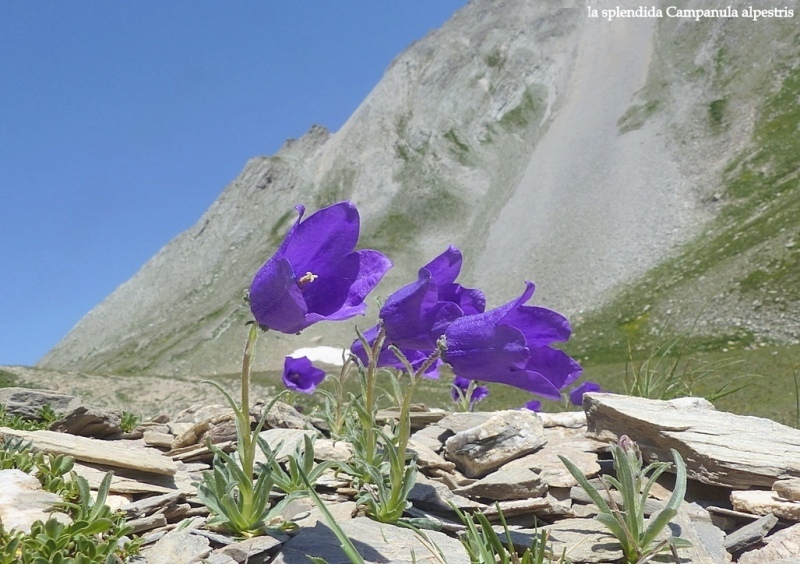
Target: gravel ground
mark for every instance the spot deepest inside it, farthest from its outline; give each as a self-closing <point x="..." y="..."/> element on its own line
<point x="601" y="207"/>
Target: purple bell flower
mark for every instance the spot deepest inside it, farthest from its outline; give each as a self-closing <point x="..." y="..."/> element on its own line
<point x="534" y="405"/>
<point x="315" y="274"/>
<point x="300" y="375"/>
<point x="510" y="345"/>
<point x="576" y="395"/>
<point x="416" y="315"/>
<point x="478" y="393"/>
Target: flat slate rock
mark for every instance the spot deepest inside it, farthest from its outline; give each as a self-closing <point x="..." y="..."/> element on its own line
<point x="115" y="454"/>
<point x="788" y="489"/>
<point x="719" y="448"/>
<point x="761" y="502"/>
<point x="782" y="548"/>
<point x="584" y="540"/>
<point x="375" y="542"/>
<point x="509" y="482"/>
<point x="750" y="534"/>
<point x="122" y="484"/>
<point x="178" y="546"/>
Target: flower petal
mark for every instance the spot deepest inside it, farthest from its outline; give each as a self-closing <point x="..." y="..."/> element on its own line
<point x="301" y="375"/>
<point x="275" y="299"/>
<point x="478" y="394"/>
<point x="556" y="366"/>
<point x="576" y="395"/>
<point x="444" y="269"/>
<point x="534" y="405"/>
<point x="372" y="266"/>
<point x="470" y="301"/>
<point x="325" y="237"/>
<point x="480" y="350"/>
<point x="540" y="325"/>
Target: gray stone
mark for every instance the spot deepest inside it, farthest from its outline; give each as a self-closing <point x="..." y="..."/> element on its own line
<point x="564" y="419"/>
<point x="459" y="421"/>
<point x="255" y="550"/>
<point x="509" y="482"/>
<point x="198" y="413"/>
<point x="546" y="463"/>
<point x="342" y="511"/>
<point x="139" y="483"/>
<point x="115" y="454"/>
<point x="285" y="441"/>
<point x="88" y="421"/>
<point x="375" y="542"/>
<point x="219" y="429"/>
<point x="419" y="419"/>
<point x="788" y="489"/>
<point x="506" y="435"/>
<point x="694" y="524"/>
<point x="585" y="540"/>
<point x="427" y="458"/>
<point x="435" y="496"/>
<point x="719" y="448"/>
<point x="158" y="439"/>
<point x="751" y="534"/>
<point x="23" y="501"/>
<point x="28" y="403"/>
<point x="217" y="557"/>
<point x="328" y="449"/>
<point x="149" y="505"/>
<point x="177" y="546"/>
<point x="154" y="521"/>
<point x="782" y="548"/>
<point x="761" y="502"/>
<point x="546" y="506"/>
<point x="578" y="494"/>
<point x="281" y="416"/>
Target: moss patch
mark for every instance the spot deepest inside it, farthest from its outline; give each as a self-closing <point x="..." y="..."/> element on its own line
<point x="636" y="116"/>
<point x="527" y="112"/>
<point x="7" y="379"/>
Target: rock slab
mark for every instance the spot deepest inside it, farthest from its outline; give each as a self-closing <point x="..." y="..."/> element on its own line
<point x="95" y="451"/>
<point x="724" y="449"/>
<point x="505" y="436"/>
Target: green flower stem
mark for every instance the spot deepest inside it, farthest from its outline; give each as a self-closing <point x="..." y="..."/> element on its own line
<point x="247" y="452"/>
<point x="371" y="439"/>
<point x="339" y="403"/>
<point x="404" y="431"/>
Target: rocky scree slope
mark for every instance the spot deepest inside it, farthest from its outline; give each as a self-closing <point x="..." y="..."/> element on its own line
<point x="549" y="146"/>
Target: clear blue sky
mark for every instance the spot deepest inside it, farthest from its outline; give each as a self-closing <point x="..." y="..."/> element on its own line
<point x="121" y="122"/>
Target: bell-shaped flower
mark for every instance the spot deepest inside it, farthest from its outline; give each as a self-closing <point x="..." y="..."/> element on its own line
<point x="534" y="405"/>
<point x="416" y="315"/>
<point x="300" y="375"/>
<point x="511" y="345"/>
<point x="315" y="274"/>
<point x="576" y="395"/>
<point x="461" y="387"/>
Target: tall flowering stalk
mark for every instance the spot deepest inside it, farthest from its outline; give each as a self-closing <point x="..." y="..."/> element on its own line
<point x="315" y="275"/>
<point x="238" y="503"/>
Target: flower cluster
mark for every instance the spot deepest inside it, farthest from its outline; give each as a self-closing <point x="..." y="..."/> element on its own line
<point x="316" y="275"/>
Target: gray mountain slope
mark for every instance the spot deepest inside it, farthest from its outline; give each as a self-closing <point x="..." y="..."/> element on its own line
<point x="571" y="151"/>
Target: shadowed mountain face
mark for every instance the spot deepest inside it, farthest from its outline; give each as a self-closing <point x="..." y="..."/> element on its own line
<point x="575" y="152"/>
